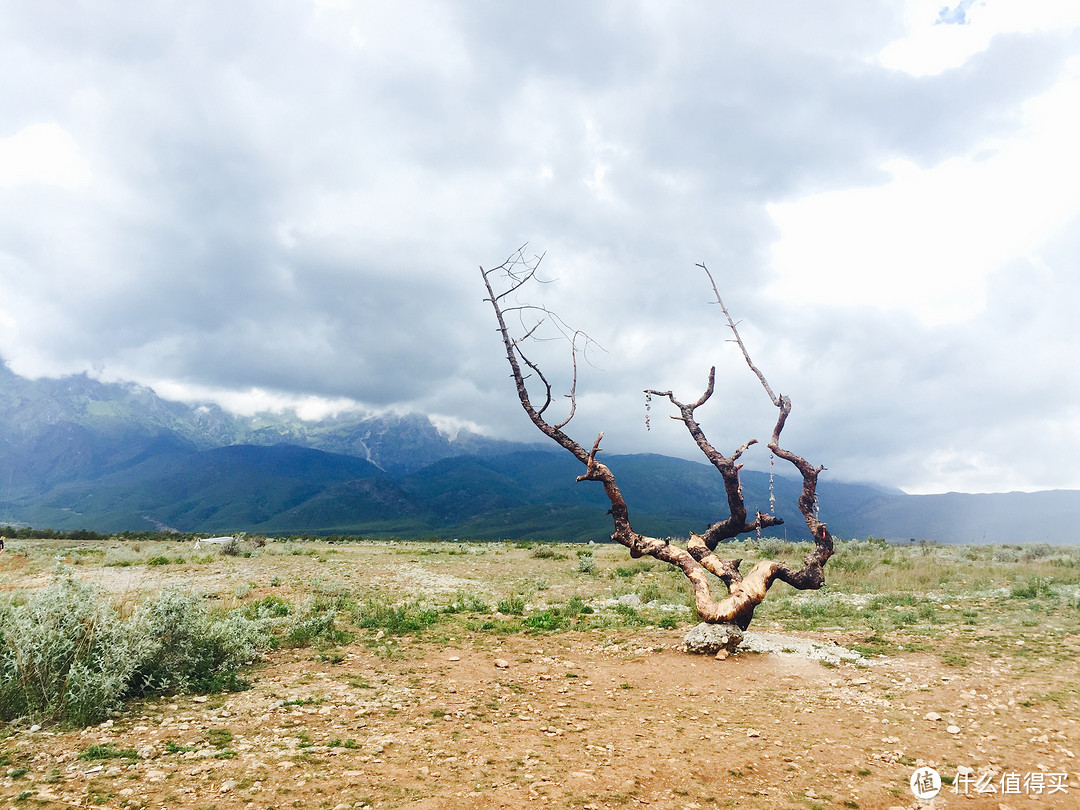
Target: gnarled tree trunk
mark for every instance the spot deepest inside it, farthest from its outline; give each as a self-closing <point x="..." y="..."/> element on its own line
<point x="699" y="558"/>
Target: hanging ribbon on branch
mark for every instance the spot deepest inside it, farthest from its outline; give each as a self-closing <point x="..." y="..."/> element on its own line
<point x="772" y="493"/>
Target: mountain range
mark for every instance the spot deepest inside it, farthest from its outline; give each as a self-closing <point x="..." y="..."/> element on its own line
<point x="77" y="453"/>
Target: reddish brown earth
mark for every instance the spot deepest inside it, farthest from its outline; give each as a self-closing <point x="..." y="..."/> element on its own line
<point x="592" y="719"/>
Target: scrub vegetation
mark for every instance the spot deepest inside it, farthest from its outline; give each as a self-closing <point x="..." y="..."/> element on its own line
<point x="367" y="656"/>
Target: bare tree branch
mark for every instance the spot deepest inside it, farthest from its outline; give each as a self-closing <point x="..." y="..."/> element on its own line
<point x="736" y="523"/>
<point x="738" y="339"/>
<point x="811" y="575"/>
<point x="698" y="558"/>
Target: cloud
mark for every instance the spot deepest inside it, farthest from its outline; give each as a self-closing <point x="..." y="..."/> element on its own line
<point x="42" y="153"/>
<point x="287" y="202"/>
<point x="926" y="240"/>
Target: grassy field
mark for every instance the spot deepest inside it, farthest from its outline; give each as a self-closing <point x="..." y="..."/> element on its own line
<point x="465" y="638"/>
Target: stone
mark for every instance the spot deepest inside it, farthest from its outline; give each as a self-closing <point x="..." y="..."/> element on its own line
<point x="932" y="716"/>
<point x="502" y="663"/>
<point x="709" y="639"/>
<point x="953" y="729"/>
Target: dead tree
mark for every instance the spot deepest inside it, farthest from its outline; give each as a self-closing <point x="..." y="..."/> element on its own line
<point x="698" y="559"/>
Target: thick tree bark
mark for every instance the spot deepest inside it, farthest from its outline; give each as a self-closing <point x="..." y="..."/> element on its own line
<point x="698" y="559"/>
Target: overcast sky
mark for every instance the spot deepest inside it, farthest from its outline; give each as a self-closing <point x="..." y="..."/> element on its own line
<point x="286" y="202"/>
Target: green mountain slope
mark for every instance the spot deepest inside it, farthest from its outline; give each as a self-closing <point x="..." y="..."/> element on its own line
<point x="76" y="453"/>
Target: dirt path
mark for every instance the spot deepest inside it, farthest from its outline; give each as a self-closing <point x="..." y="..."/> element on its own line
<point x="569" y="720"/>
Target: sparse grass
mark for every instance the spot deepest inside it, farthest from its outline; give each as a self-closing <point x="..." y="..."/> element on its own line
<point x="107" y="751"/>
<point x="467" y="602"/>
<point x="959" y="604"/>
<point x="396" y="619"/>
<point x="218" y="737"/>
<point x="512" y="605"/>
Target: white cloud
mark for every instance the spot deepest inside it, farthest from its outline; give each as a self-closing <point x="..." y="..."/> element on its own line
<point x="42" y="153"/>
<point x="930" y="47"/>
<point x="926" y="241"/>
<point x="257" y="400"/>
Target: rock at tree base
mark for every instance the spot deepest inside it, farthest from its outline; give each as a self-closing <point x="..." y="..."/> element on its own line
<point x="709" y="639"/>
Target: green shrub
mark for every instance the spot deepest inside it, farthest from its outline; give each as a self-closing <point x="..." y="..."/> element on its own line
<point x="512" y="605"/>
<point x="770" y="547"/>
<point x="1036" y="551"/>
<point x="402" y="619"/>
<point x="464" y="602"/>
<point x="108" y="751"/>
<point x="64" y="654"/>
<point x="628" y="614"/>
<point x="585" y="562"/>
<point x="218" y="737"/>
<point x="316" y="628"/>
<point x="1034" y="588"/>
<point x="67" y="655"/>
<point x="551" y="619"/>
<point x="159" y="560"/>
<point x="576" y="605"/>
<point x="268" y="607"/>
<point x="190" y="650"/>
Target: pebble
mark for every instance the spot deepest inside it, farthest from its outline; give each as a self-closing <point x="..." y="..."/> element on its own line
<point x="932" y="716"/>
<point x="502" y="663"/>
<point x="953" y="729"/>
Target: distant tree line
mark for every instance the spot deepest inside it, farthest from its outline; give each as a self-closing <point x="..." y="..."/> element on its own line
<point x="30" y="533"/>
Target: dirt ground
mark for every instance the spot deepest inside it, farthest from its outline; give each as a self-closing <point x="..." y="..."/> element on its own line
<point x="571" y="720"/>
<point x="574" y="719"/>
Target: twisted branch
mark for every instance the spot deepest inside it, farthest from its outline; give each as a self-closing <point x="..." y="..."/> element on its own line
<point x="698" y="558"/>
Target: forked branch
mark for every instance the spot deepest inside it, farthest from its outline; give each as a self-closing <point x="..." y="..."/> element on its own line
<point x="811" y="575"/>
<point x="698" y="558"/>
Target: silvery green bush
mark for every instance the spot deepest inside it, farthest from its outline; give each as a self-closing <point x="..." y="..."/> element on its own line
<point x="66" y="654"/>
<point x="186" y="648"/>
